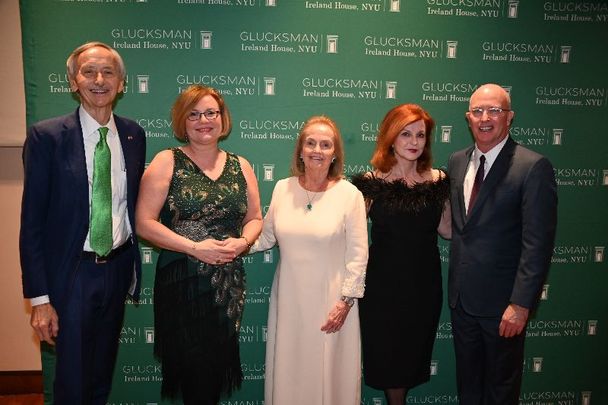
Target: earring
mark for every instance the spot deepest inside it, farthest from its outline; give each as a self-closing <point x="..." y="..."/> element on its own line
<point x="301" y="158"/>
<point x="333" y="159"/>
<point x="186" y="137"/>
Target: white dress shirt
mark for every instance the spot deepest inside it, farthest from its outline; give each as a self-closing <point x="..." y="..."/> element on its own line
<point x="469" y="177"/>
<point x="121" y="228"/>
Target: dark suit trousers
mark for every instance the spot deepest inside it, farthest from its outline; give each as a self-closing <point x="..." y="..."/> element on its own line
<point x="89" y="329"/>
<point x="488" y="366"/>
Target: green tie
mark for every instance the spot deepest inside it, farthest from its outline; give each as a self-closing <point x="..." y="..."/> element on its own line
<point x="101" y="200"/>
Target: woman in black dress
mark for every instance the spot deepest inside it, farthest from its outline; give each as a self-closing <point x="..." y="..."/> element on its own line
<point x="408" y="205"/>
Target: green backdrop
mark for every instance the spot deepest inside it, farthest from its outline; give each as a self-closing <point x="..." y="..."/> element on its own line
<point x="278" y="62"/>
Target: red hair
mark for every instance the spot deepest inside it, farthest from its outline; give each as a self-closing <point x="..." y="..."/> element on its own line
<point x="393" y="123"/>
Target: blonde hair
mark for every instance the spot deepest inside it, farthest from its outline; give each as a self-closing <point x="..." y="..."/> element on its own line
<point x="336" y="168"/>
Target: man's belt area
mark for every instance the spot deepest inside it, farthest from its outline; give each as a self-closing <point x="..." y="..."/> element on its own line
<point x="113" y="253"/>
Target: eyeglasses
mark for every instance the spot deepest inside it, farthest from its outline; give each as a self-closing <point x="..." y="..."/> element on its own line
<point x="209" y="114"/>
<point x="493" y="112"/>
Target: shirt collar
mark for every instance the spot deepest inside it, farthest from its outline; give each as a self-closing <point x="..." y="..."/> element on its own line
<point x="490" y="155"/>
<point x="90" y="126"/>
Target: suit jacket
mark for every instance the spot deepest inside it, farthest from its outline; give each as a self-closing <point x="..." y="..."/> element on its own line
<point x="55" y="205"/>
<point x="501" y="252"/>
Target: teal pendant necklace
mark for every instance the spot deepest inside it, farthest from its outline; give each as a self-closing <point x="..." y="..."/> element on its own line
<point x="320" y="188"/>
<point x="310" y="200"/>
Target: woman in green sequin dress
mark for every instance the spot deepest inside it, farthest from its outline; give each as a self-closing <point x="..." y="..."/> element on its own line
<point x="201" y="206"/>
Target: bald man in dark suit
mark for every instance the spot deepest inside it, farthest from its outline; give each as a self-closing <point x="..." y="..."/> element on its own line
<point x="504" y="216"/>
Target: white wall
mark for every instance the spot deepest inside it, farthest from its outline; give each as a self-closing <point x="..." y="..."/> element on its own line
<point x="19" y="347"/>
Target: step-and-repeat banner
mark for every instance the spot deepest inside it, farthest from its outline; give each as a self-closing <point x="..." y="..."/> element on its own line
<point x="278" y="62"/>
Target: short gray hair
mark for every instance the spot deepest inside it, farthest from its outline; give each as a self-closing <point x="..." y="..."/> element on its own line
<point x="72" y="62"/>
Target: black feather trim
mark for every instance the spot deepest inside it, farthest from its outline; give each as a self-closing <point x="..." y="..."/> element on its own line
<point x="398" y="196"/>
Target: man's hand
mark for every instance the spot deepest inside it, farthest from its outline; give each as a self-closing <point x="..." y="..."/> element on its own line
<point x="45" y="322"/>
<point x="513" y="321"/>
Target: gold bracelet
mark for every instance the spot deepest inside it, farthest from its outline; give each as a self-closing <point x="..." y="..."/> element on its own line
<point x="249" y="245"/>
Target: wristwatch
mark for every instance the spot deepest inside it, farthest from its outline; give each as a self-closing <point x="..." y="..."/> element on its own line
<point x="350" y="301"/>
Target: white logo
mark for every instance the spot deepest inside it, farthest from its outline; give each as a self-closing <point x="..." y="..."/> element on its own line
<point x="452" y="48"/>
<point x="544" y="295"/>
<point x="565" y="56"/>
<point x="513" y="5"/>
<point x="269" y="83"/>
<point x="142" y="83"/>
<point x="537" y="364"/>
<point x="147" y="255"/>
<point x="332" y="43"/>
<point x="605" y="180"/>
<point x="585" y="397"/>
<point x="446" y="133"/>
<point x="268" y="172"/>
<point x="206" y="39"/>
<point x="598" y="257"/>
<point x="149" y="332"/>
<point x="395" y="6"/>
<point x="271" y="3"/>
<point x="434" y="367"/>
<point x="557" y="136"/>
<point x="592" y="327"/>
<point x="268" y="256"/>
<point x="377" y="401"/>
<point x="391" y="89"/>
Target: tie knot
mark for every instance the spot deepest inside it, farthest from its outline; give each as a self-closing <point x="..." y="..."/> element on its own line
<point x="103" y="131"/>
<point x="482" y="160"/>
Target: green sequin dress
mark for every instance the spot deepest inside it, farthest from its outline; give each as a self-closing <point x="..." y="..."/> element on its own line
<point x="197" y="306"/>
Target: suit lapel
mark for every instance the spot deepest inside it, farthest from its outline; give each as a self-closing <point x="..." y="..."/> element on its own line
<point x="126" y="143"/>
<point x="75" y="157"/>
<point x="495" y="175"/>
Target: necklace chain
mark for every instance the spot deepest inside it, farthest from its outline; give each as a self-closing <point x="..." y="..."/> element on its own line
<point x="406" y="178"/>
<point x="321" y="188"/>
<point x="310" y="200"/>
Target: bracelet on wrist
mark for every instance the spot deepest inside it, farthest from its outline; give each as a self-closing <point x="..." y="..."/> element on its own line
<point x="350" y="301"/>
<point x="249" y="245"/>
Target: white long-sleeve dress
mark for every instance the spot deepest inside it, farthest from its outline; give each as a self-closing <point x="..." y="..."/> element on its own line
<point x="323" y="255"/>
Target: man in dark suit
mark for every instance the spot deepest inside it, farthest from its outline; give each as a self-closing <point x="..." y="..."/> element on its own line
<point x="504" y="215"/>
<point x="76" y="275"/>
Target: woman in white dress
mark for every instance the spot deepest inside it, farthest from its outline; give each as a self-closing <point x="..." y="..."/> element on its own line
<point x="318" y="221"/>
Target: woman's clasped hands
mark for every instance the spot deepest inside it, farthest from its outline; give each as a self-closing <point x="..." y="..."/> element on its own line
<point x="217" y="252"/>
